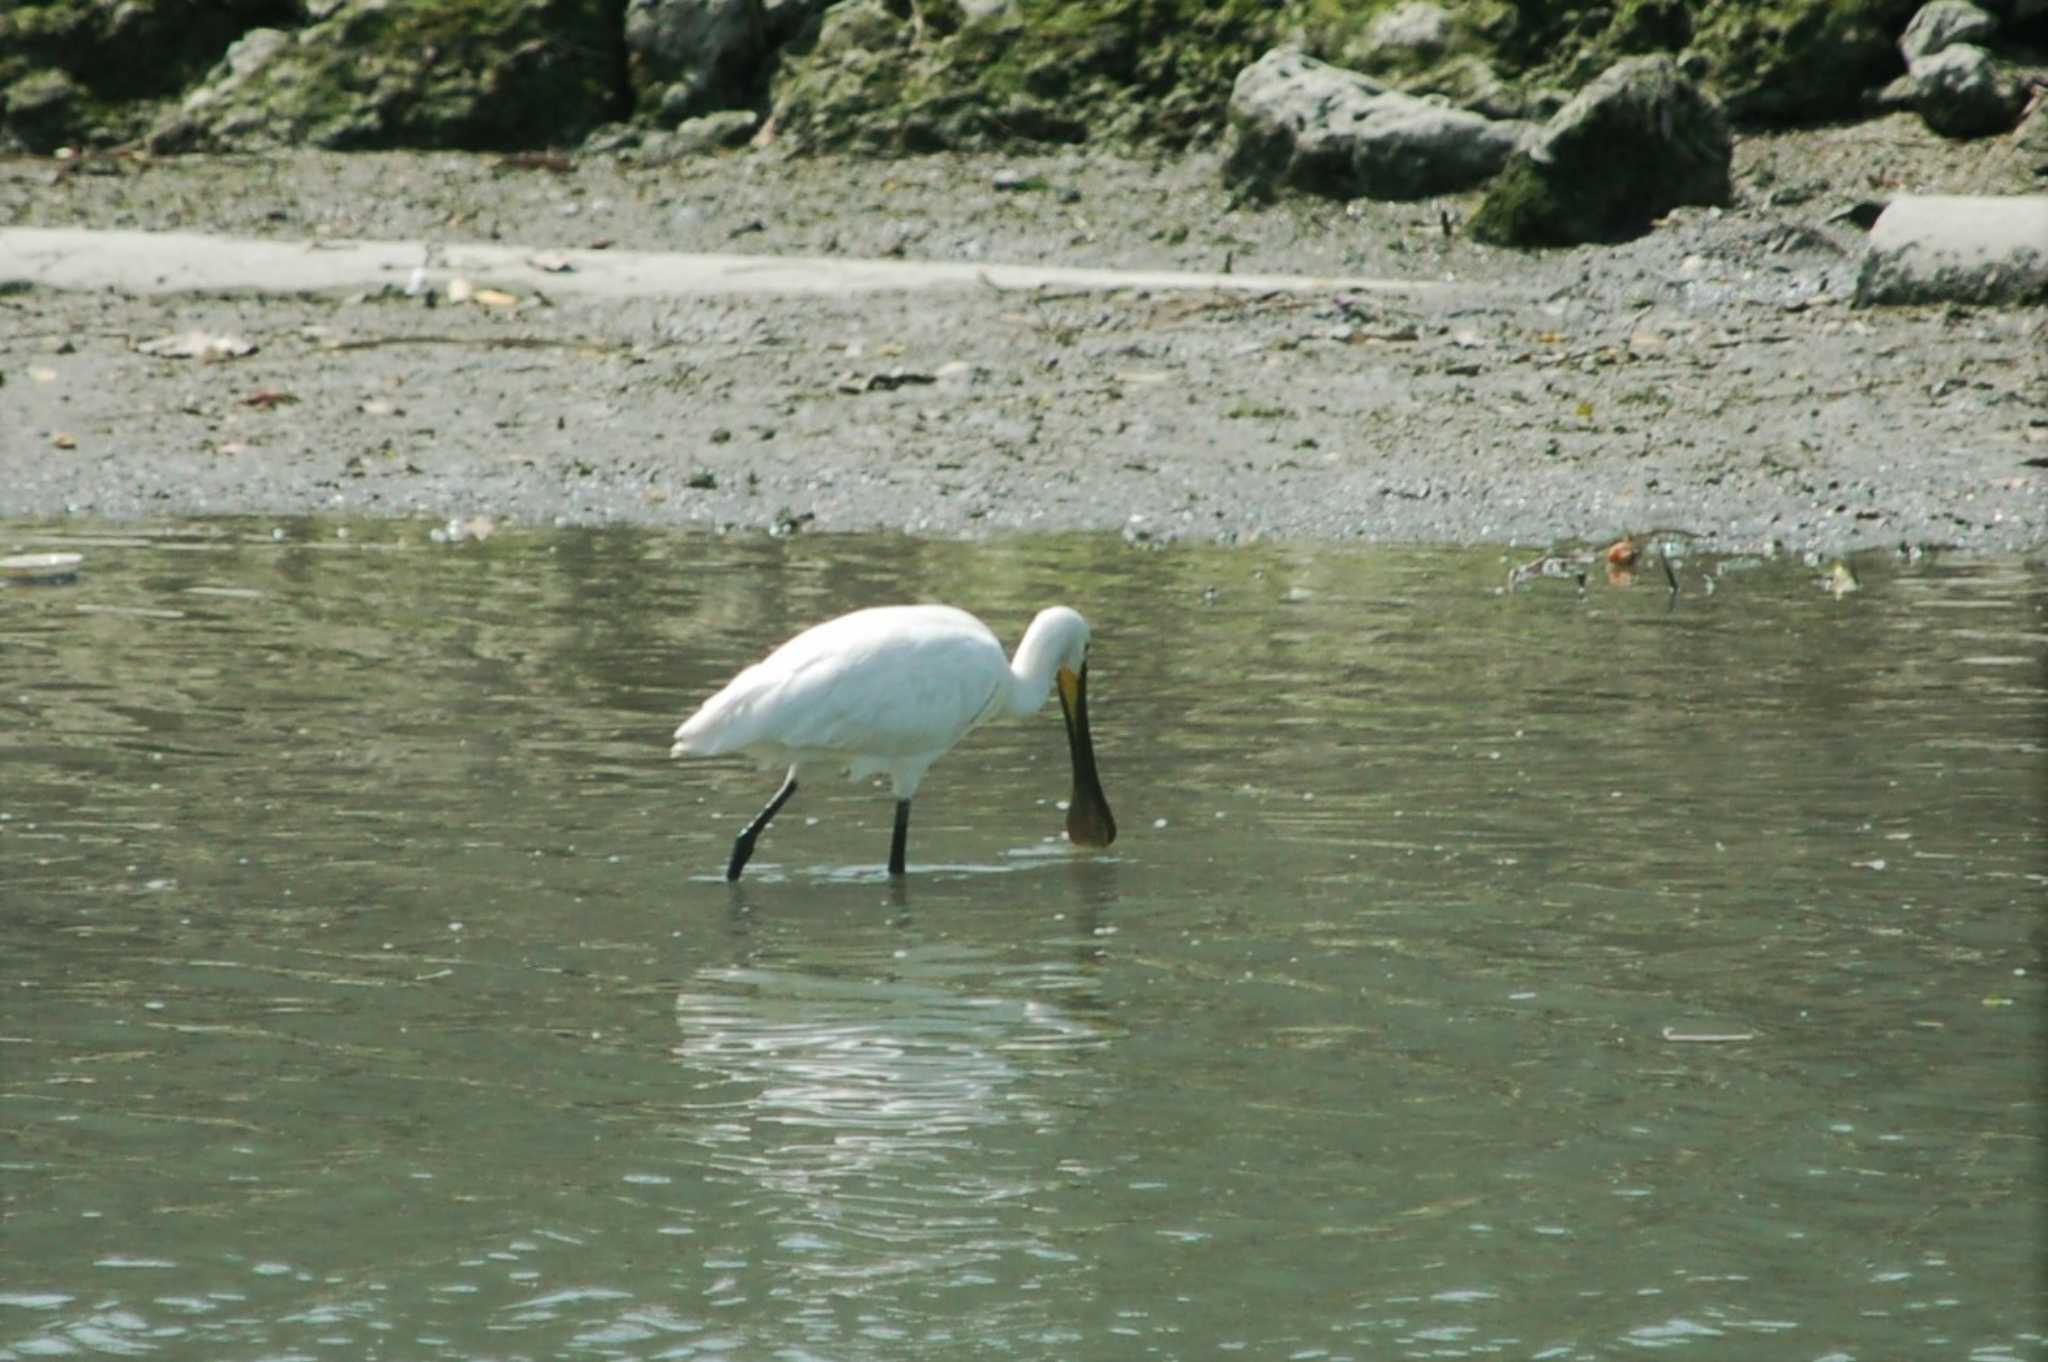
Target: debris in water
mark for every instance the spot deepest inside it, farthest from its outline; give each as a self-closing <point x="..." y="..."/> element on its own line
<point x="1841" y="579"/>
<point x="1550" y="565"/>
<point x="1707" y="1037"/>
<point x="40" y="569"/>
<point x="459" y="528"/>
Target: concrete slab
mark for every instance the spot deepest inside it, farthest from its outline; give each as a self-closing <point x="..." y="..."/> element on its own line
<point x="186" y="262"/>
<point x="1981" y="249"/>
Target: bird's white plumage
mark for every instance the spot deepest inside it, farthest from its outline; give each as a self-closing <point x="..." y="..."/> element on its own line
<point x="885" y="691"/>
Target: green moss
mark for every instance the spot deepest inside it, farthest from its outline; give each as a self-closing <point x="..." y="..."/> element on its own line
<point x="1043" y="70"/>
<point x="1800" y="60"/>
<point x="1519" y="209"/>
<point x="139" y="49"/>
<point x="475" y="74"/>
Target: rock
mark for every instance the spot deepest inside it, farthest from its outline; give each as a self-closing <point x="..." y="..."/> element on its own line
<point x="688" y="57"/>
<point x="1304" y="124"/>
<point x="1797" y="61"/>
<point x="1412" y="34"/>
<point x="121" y="55"/>
<point x="910" y="76"/>
<point x="1899" y="95"/>
<point x="2030" y="140"/>
<point x="40" y="110"/>
<point x="856" y="70"/>
<point x="701" y="136"/>
<point x="788" y="22"/>
<point x="1958" y="248"/>
<point x="437" y="73"/>
<point x="1636" y="143"/>
<point x="1961" y="92"/>
<point x="1944" y="23"/>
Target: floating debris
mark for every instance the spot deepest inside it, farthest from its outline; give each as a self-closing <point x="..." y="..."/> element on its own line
<point x="1571" y="568"/>
<point x="1841" y="579"/>
<point x="40" y="569"/>
<point x="459" y="528"/>
<point x="139" y="612"/>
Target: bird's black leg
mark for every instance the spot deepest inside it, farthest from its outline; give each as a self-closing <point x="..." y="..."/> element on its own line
<point x="743" y="845"/>
<point x="902" y="836"/>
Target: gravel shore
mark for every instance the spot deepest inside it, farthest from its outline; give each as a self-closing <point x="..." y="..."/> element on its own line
<point x="1710" y="377"/>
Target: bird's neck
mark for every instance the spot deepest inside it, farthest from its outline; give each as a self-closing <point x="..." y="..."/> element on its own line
<point x="1031" y="673"/>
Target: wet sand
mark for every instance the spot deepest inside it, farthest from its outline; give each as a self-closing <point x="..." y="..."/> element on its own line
<point x="1710" y="378"/>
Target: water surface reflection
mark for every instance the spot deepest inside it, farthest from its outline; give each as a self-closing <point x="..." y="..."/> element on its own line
<point x="1476" y="974"/>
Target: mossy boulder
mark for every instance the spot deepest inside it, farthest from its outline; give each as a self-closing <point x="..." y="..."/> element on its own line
<point x="1639" y="141"/>
<point x="472" y="74"/>
<point x="1768" y="61"/>
<point x="85" y="71"/>
<point x="888" y="75"/>
<point x="1798" y="61"/>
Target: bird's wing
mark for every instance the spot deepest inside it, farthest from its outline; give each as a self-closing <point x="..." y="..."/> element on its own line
<point x="886" y="683"/>
<point x="890" y="698"/>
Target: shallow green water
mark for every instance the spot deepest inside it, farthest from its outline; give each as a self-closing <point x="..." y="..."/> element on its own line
<point x="1533" y="975"/>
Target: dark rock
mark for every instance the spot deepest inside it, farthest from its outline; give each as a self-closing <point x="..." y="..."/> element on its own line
<point x="1636" y="143"/>
<point x="700" y="136"/>
<point x="688" y="57"/>
<point x="2030" y="140"/>
<point x="1961" y="92"/>
<point x="41" y="110"/>
<point x="116" y="55"/>
<point x="1299" y="123"/>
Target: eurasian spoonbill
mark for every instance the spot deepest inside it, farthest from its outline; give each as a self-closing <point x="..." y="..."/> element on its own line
<point x="887" y="692"/>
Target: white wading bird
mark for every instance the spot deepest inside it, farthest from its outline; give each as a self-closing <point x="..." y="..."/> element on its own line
<point x="887" y="692"/>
